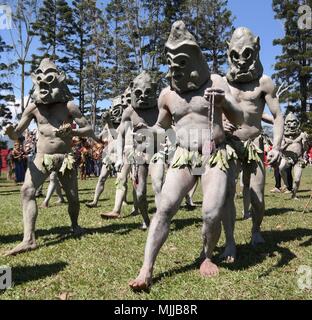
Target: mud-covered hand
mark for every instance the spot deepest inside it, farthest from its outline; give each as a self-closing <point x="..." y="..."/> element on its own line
<point x="229" y="127"/>
<point x="118" y="165"/>
<point x="9" y="130"/>
<point x="64" y="131"/>
<point x="274" y="157"/>
<point x="139" y="126"/>
<point x="215" y="95"/>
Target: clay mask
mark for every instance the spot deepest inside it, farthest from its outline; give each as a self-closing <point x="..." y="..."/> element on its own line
<point x="116" y="110"/>
<point x="126" y="98"/>
<point x="243" y="57"/>
<point x="292" y="125"/>
<point x="143" y="92"/>
<point x="188" y="69"/>
<point x="49" y="84"/>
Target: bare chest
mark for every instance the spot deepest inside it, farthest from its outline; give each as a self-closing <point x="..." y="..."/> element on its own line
<point x="147" y="116"/>
<point x="53" y="116"/>
<point x="181" y="107"/>
<point x="250" y="97"/>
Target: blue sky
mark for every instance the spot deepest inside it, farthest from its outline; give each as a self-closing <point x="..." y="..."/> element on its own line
<point x="254" y="14"/>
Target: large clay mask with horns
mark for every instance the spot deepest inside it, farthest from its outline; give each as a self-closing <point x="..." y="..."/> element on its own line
<point x="188" y="69"/>
<point x="143" y="92"/>
<point x="49" y="84"/>
<point x="243" y="57"/>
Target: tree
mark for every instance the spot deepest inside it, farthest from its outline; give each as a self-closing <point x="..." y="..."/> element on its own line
<point x="120" y="65"/>
<point x="25" y="14"/>
<point x="6" y="89"/>
<point x="96" y="72"/>
<point x="53" y="29"/>
<point x="211" y="22"/>
<point x="294" y="65"/>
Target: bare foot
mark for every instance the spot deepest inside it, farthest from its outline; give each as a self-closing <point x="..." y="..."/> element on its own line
<point x="229" y="254"/>
<point x="44" y="205"/>
<point x="208" y="269"/>
<point x="110" y="215"/>
<point x="91" y="205"/>
<point x="257" y="238"/>
<point x="189" y="202"/>
<point x="141" y="283"/>
<point x="144" y="226"/>
<point x="22" y="247"/>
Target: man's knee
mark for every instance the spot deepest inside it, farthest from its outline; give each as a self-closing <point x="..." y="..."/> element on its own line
<point x="28" y="191"/>
<point x="157" y="186"/>
<point x="212" y="214"/>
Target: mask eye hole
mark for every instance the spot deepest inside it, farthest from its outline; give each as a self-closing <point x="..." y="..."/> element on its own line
<point x="147" y="92"/>
<point x="39" y="78"/>
<point x="234" y="55"/>
<point x="50" y="78"/>
<point x="138" y="93"/>
<point x="247" y="53"/>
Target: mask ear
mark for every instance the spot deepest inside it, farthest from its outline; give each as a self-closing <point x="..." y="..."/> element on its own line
<point x="257" y="41"/>
<point x="61" y="77"/>
<point x="131" y="85"/>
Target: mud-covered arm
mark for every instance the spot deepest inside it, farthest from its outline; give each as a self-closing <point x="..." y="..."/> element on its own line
<point x="164" y="120"/>
<point x="14" y="131"/>
<point x="230" y="106"/>
<point x="267" y="118"/>
<point x="122" y="129"/>
<point x="273" y="103"/>
<point x="85" y="129"/>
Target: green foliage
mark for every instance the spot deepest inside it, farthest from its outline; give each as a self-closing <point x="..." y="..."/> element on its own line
<point x="53" y="27"/>
<point x="294" y="65"/>
<point x="212" y="24"/>
<point x="6" y="88"/>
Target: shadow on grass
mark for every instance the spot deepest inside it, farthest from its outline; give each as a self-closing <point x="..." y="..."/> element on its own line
<point x="63" y="233"/>
<point x="249" y="256"/>
<point x="278" y="211"/>
<point x="179" y="224"/>
<point x="9" y="193"/>
<point x="24" y="274"/>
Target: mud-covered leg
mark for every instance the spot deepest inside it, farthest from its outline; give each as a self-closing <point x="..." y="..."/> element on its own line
<point x="213" y="206"/>
<point x="257" y="182"/>
<point x="297" y="179"/>
<point x="140" y="190"/>
<point x="181" y="181"/>
<point x="229" y="216"/>
<point x="246" y="173"/>
<point x="54" y="185"/>
<point x="70" y="185"/>
<point x="35" y="176"/>
<point x="121" y="192"/>
<point x="99" y="186"/>
<point x="189" y="197"/>
<point x="157" y="171"/>
<point x="282" y="168"/>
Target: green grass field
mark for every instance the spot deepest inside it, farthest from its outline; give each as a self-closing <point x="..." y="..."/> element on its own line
<point x="100" y="263"/>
